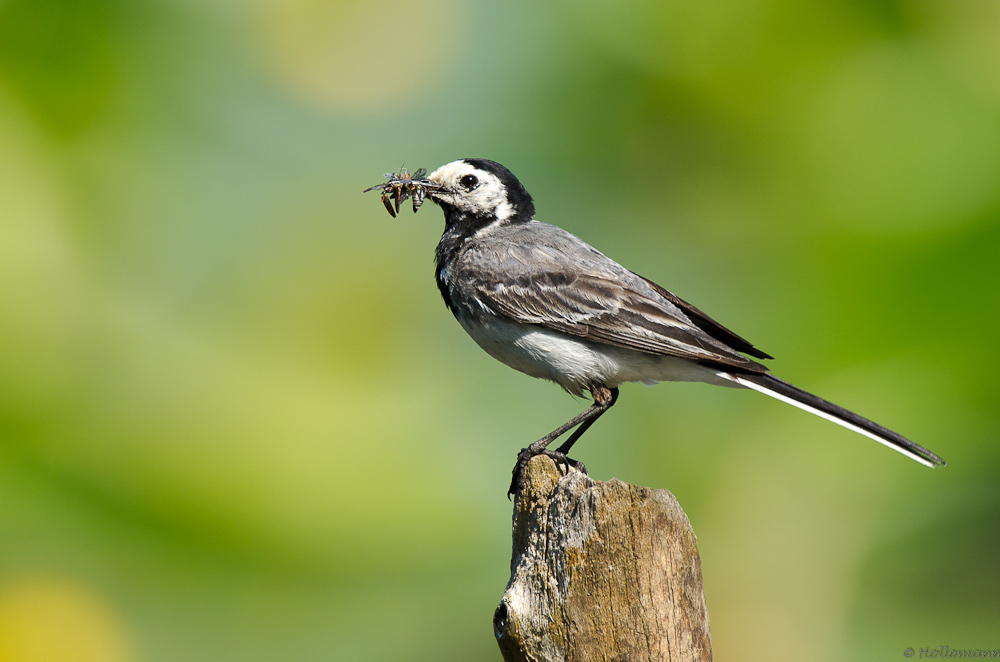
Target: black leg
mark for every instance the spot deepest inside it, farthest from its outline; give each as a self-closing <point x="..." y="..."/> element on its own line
<point x="604" y="398"/>
<point x="608" y="397"/>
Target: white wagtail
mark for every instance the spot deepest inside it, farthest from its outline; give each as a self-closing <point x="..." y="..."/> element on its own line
<point x="545" y="302"/>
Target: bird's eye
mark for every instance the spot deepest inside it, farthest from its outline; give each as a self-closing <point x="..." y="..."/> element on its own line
<point x="469" y="182"/>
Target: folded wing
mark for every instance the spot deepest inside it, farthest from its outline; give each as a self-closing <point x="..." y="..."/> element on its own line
<point x="604" y="309"/>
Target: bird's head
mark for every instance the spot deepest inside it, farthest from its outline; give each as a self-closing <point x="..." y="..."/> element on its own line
<point x="479" y="189"/>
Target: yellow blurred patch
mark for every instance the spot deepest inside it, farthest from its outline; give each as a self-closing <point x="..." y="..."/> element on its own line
<point x="48" y="619"/>
<point x="356" y="56"/>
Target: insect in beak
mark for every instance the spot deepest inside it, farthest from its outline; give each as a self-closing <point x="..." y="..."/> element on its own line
<point x="402" y="186"/>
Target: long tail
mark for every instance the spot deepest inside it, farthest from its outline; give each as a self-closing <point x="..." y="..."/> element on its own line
<point x="776" y="388"/>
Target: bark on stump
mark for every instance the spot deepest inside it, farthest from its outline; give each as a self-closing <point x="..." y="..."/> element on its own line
<point x="600" y="571"/>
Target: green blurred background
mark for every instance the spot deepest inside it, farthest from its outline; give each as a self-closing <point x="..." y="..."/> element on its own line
<point x="237" y="422"/>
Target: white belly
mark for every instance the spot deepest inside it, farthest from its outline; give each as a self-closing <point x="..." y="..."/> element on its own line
<point x="577" y="364"/>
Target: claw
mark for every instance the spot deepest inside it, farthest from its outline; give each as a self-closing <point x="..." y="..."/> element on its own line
<point x="561" y="460"/>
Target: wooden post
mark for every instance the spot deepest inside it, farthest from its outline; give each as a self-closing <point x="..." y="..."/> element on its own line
<point x="600" y="571"/>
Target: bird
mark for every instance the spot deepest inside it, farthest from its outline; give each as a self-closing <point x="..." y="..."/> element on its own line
<point x="544" y="302"/>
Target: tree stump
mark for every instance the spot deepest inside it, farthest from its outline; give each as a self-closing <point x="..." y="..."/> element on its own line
<point x="600" y="571"/>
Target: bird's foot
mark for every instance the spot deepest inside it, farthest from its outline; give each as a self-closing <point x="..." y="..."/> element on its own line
<point x="561" y="459"/>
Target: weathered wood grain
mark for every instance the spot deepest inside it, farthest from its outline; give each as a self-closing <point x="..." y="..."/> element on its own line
<point x="600" y="571"/>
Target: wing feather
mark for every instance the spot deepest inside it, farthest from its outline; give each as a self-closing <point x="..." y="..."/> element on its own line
<point x="600" y="308"/>
<point x="709" y="325"/>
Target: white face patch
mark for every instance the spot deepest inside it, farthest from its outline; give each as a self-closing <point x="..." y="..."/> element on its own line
<point x="487" y="197"/>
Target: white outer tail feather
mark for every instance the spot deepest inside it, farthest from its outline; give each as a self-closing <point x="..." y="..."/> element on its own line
<point x="830" y="417"/>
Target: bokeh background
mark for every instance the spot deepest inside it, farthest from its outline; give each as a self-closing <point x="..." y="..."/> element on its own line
<point x="237" y="422"/>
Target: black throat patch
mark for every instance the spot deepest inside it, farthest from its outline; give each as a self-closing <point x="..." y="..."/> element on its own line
<point x="459" y="228"/>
